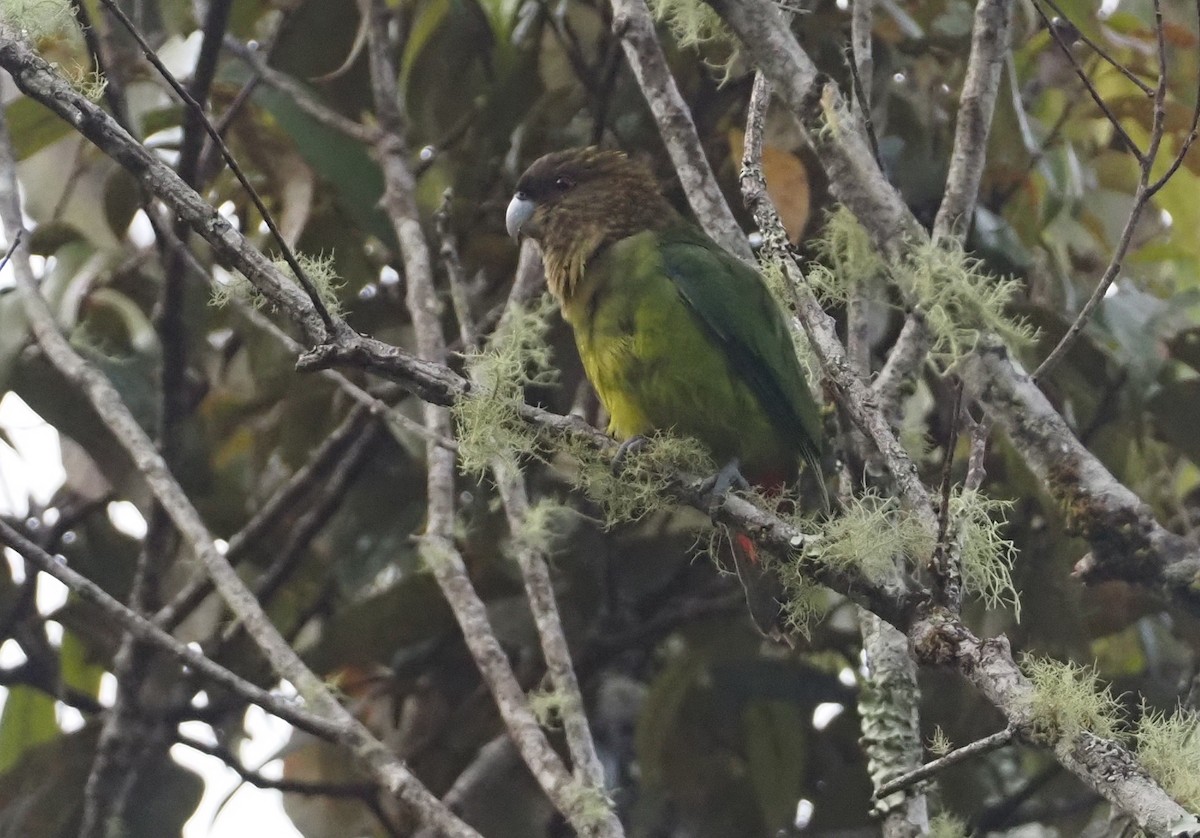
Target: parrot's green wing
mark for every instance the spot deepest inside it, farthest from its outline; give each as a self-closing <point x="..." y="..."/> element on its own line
<point x="731" y="300"/>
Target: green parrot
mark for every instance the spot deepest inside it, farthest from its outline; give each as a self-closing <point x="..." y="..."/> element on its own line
<point x="675" y="333"/>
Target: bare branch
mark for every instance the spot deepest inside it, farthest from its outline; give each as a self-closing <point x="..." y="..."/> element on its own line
<point x="989" y="47"/>
<point x="898" y="378"/>
<point x="1146" y="188"/>
<point x="389" y="770"/>
<point x="835" y="133"/>
<point x="304" y="98"/>
<point x="633" y="25"/>
<point x="1127" y="542"/>
<point x="196" y="108"/>
<point x="981" y="746"/>
<point x="861" y="24"/>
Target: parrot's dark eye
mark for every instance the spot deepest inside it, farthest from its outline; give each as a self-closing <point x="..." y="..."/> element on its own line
<point x="562" y="184"/>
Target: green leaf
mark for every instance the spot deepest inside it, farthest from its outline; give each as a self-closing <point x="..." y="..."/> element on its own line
<point x="14" y="333"/>
<point x="28" y="720"/>
<point x="429" y="19"/>
<point x="33" y="127"/>
<point x="76" y="667"/>
<point x="775" y="750"/>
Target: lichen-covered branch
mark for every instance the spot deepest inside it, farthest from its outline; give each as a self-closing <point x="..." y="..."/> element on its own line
<point x="890" y="700"/>
<point x="1105" y="765"/>
<point x="1127" y="541"/>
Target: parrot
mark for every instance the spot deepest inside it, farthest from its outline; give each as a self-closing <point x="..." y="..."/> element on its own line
<point x="675" y="333"/>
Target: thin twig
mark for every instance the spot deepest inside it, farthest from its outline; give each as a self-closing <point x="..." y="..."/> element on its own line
<point x="980" y="746"/>
<point x="308" y="788"/>
<point x="304" y="98"/>
<point x="1146" y="189"/>
<point x="1100" y="51"/>
<point x="1056" y="35"/>
<point x="467" y="329"/>
<point x="285" y="249"/>
<point x="976" y="463"/>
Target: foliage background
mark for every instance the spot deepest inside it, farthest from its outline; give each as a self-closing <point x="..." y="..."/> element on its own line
<point x="706" y="730"/>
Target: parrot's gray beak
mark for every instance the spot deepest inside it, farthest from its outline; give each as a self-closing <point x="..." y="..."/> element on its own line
<point x="520" y="210"/>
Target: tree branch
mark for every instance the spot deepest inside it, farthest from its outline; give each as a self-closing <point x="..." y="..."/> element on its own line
<point x="390" y="771"/>
<point x="980" y="746"/>
<point x="989" y="45"/>
<point x="438" y="545"/>
<point x="633" y="25"/>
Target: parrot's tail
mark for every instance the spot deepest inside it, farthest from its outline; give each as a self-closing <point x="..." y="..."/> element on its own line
<point x="764" y="590"/>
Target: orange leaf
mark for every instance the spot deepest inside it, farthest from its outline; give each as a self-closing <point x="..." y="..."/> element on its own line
<point x="787" y="183"/>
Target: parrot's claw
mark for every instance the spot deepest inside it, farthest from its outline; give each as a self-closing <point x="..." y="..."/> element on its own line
<point x="630" y="446"/>
<point x="717" y="487"/>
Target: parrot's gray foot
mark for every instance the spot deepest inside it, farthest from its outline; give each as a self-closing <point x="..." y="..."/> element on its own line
<point x="630" y="446"/>
<point x="717" y="487"/>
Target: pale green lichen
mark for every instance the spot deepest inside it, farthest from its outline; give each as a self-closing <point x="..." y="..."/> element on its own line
<point x="1169" y="748"/>
<point x="691" y="22"/>
<point x="90" y="84"/>
<point x="547" y="706"/>
<point x="490" y="427"/>
<point x="846" y="258"/>
<point x="587" y="806"/>
<point x="37" y="19"/>
<point x="939" y="742"/>
<point x="805" y="604"/>
<point x="945" y="825"/>
<point x="695" y="24"/>
<point x="779" y="285"/>
<point x="319" y="269"/>
<point x="639" y="486"/>
<point x="235" y="288"/>
<point x="542" y="525"/>
<point x="322" y="273"/>
<point x="870" y="534"/>
<point x="960" y="301"/>
<point x="987" y="557"/>
<point x="1068" y="701"/>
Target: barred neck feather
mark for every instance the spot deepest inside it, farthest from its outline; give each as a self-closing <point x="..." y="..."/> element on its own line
<point x="614" y="198"/>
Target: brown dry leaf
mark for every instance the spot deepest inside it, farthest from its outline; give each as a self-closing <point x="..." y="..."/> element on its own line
<point x="787" y="183"/>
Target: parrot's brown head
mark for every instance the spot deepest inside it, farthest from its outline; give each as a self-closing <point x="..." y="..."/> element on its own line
<point x="576" y="202"/>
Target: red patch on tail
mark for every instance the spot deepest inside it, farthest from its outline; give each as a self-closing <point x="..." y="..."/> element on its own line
<point x="745" y="547"/>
